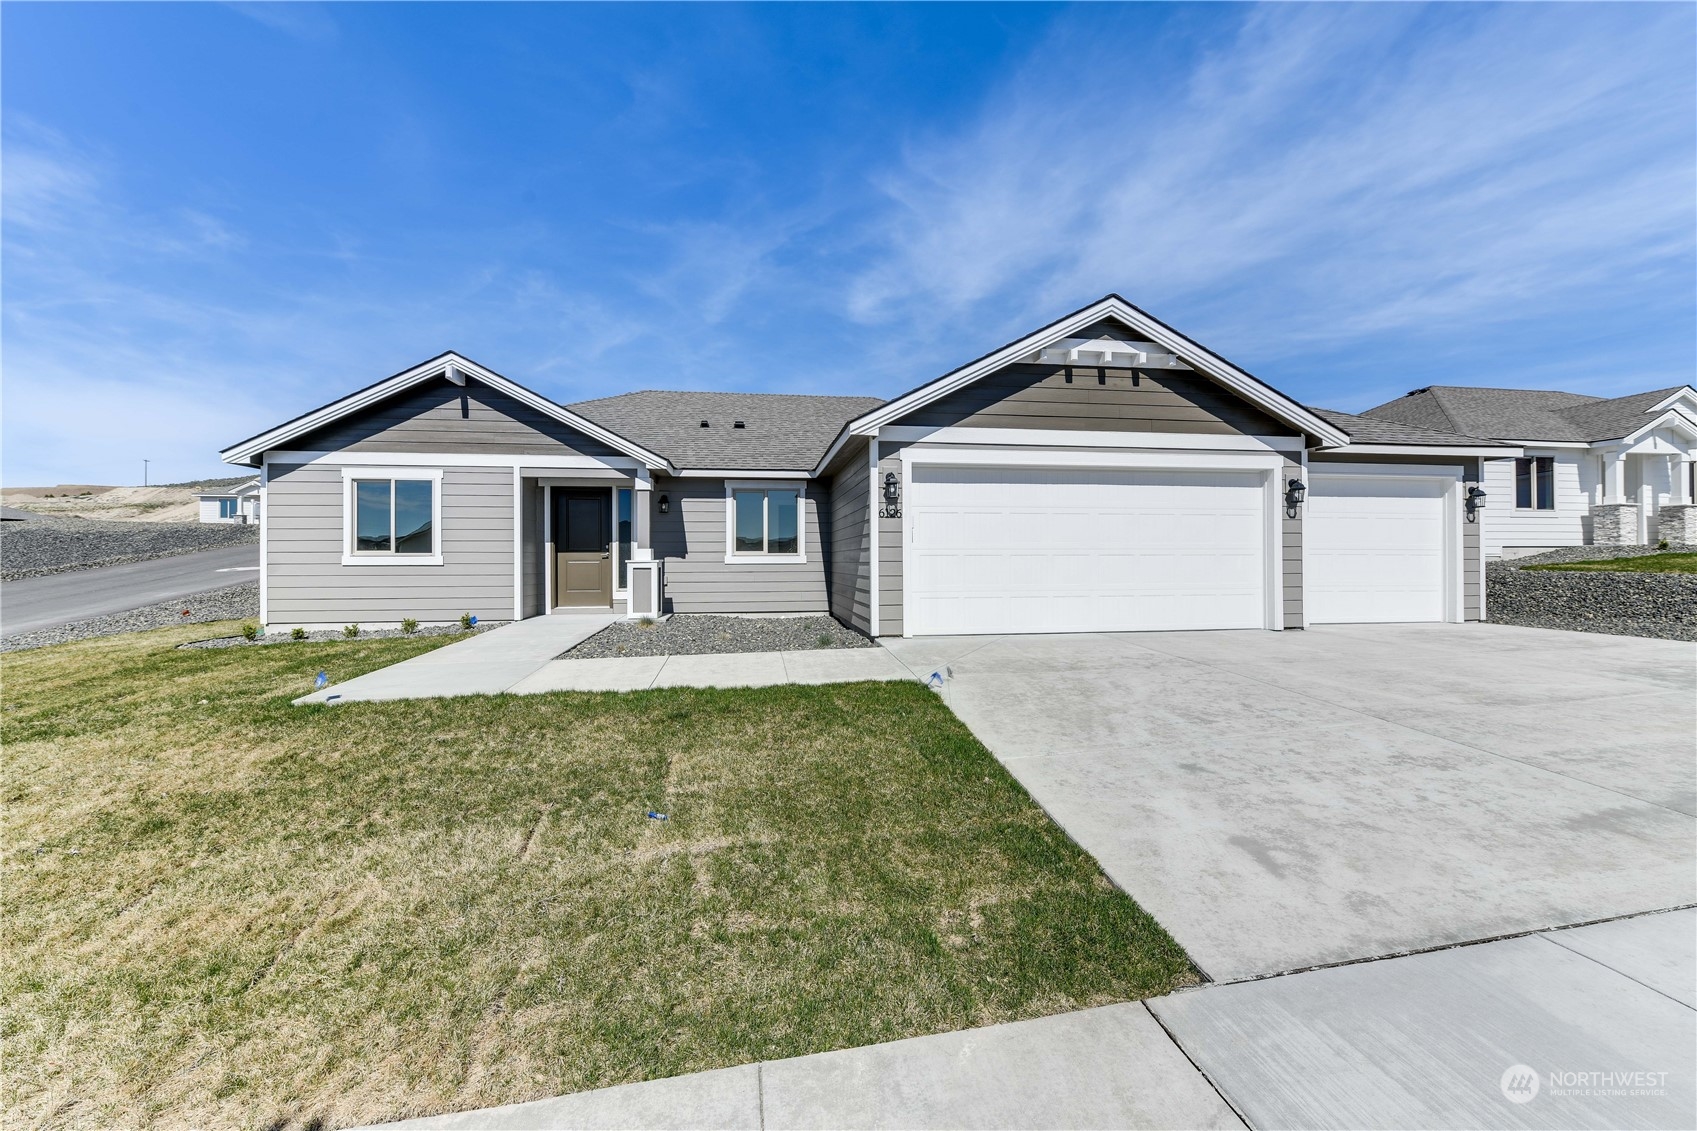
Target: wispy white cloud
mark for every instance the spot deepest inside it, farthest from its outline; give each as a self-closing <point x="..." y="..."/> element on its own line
<point x="1326" y="175"/>
<point x="299" y="18"/>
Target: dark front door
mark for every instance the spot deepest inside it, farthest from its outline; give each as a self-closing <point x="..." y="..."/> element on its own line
<point x="583" y="561"/>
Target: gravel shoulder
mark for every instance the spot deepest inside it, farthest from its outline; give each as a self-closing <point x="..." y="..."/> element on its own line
<point x="701" y="634"/>
<point x="1657" y="605"/>
<point x="49" y="544"/>
<point x="236" y="602"/>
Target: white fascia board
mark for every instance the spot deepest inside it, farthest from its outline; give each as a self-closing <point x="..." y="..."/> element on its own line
<point x="1676" y="418"/>
<point x="619" y="464"/>
<point x="249" y="450"/>
<point x="1064" y="438"/>
<point x="740" y="473"/>
<point x="1424" y="450"/>
<point x="1685" y="394"/>
<point x="1193" y="354"/>
<point x="1097" y="458"/>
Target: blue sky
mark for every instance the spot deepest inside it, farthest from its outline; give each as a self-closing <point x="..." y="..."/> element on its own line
<point x="218" y="216"/>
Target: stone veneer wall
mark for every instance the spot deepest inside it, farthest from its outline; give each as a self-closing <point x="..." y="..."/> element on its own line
<point x="1677" y="522"/>
<point x="1614" y="524"/>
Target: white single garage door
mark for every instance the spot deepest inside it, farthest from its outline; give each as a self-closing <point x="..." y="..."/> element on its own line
<point x="1373" y="548"/>
<point x="1001" y="550"/>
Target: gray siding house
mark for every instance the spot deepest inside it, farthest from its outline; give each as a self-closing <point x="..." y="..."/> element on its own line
<point x="1103" y="473"/>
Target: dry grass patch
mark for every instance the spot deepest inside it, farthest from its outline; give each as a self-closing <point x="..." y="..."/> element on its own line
<point x="222" y="910"/>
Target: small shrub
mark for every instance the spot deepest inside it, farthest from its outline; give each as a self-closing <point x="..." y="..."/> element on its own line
<point x="823" y="640"/>
<point x="297" y="633"/>
<point x="409" y="625"/>
<point x="250" y="631"/>
<point x="350" y="630"/>
<point x="1662" y="545"/>
<point x="467" y="622"/>
<point x="646" y="622"/>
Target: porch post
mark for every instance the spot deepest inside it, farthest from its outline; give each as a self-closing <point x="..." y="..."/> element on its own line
<point x="641" y="544"/>
<point x="1614" y="477"/>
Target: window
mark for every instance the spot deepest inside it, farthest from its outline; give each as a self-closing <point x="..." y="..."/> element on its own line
<point x="765" y="521"/>
<point x="624" y="537"/>
<point x="392" y="516"/>
<point x="1535" y="483"/>
<point x="229" y="508"/>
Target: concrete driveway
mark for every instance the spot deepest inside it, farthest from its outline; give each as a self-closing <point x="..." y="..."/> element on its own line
<point x="1287" y="800"/>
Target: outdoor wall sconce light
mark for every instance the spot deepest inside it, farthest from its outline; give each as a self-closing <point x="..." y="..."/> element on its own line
<point x="663" y="505"/>
<point x="1295" y="490"/>
<point x="1475" y="503"/>
<point x="892" y="496"/>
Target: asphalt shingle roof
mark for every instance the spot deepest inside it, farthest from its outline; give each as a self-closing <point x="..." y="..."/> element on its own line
<point x="1367" y="430"/>
<point x="781" y="431"/>
<point x="1522" y="414"/>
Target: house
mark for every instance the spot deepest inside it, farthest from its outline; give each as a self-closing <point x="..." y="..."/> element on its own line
<point x="1610" y="471"/>
<point x="237" y="505"/>
<point x="1103" y="473"/>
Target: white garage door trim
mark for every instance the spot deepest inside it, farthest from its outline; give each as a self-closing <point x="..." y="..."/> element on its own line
<point x="1267" y="464"/>
<point x="1451" y="479"/>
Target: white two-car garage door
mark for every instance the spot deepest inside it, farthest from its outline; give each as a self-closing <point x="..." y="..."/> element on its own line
<point x="1003" y="550"/>
<point x="1374" y="548"/>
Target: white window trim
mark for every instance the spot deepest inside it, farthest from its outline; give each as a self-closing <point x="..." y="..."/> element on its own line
<point x="799" y="486"/>
<point x="389" y="558"/>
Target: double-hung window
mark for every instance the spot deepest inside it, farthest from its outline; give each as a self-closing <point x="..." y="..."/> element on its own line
<point x="764" y="521"/>
<point x="1535" y="483"/>
<point x="392" y="517"/>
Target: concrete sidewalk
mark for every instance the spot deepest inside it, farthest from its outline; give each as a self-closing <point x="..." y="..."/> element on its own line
<point x="520" y="658"/>
<point x="1425" y="1040"/>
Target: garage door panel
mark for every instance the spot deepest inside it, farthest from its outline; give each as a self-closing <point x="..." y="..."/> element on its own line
<point x="1374" y="549"/>
<point x="1041" y="550"/>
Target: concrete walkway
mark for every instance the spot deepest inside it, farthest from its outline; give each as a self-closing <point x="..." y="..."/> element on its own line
<point x="519" y="658"/>
<point x="1419" y="1041"/>
<point x="485" y="664"/>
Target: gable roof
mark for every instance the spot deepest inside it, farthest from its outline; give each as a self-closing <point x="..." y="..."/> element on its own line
<point x="1192" y="353"/>
<point x="453" y="367"/>
<point x="1525" y="414"/>
<point x="251" y="487"/>
<point x="1368" y="430"/>
<point x="781" y="431"/>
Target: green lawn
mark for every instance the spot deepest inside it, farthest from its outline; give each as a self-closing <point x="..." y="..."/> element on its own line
<point x="1649" y="563"/>
<point x="221" y="910"/>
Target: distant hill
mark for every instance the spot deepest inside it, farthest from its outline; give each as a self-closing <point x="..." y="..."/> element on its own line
<point x="167" y="502"/>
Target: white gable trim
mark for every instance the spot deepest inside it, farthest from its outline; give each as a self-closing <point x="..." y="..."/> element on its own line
<point x="249" y="451"/>
<point x="1191" y="353"/>
<point x="1677" y="418"/>
<point x="1685" y="393"/>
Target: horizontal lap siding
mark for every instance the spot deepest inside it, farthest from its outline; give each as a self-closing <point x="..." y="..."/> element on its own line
<point x="691" y="541"/>
<point x="1290" y="550"/>
<point x="307" y="583"/>
<point x="850" y="580"/>
<point x="1097" y="400"/>
<point x="439" y="417"/>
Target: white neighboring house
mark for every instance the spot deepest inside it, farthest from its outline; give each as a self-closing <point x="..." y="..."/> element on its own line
<point x="238" y="505"/>
<point x="1609" y="471"/>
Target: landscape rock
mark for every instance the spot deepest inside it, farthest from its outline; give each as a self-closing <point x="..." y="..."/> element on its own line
<point x="1662" y="605"/>
<point x="701" y="634"/>
<point x="237" y="602"/>
<point x="54" y="544"/>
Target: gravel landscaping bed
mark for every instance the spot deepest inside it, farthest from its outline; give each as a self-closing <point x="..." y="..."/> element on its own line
<point x="699" y="634"/>
<point x="329" y="634"/>
<point x="237" y="602"/>
<point x="1662" y="605"/>
<point x="51" y="544"/>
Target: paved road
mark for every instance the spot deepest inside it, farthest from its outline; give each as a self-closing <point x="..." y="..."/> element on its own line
<point x="43" y="602"/>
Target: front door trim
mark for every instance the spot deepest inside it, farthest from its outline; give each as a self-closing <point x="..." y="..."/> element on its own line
<point x="552" y="564"/>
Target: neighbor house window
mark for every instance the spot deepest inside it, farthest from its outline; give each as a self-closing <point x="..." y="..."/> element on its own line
<point x="765" y="521"/>
<point x="229" y="508"/>
<point x="1535" y="483"/>
<point x="393" y="516"/>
